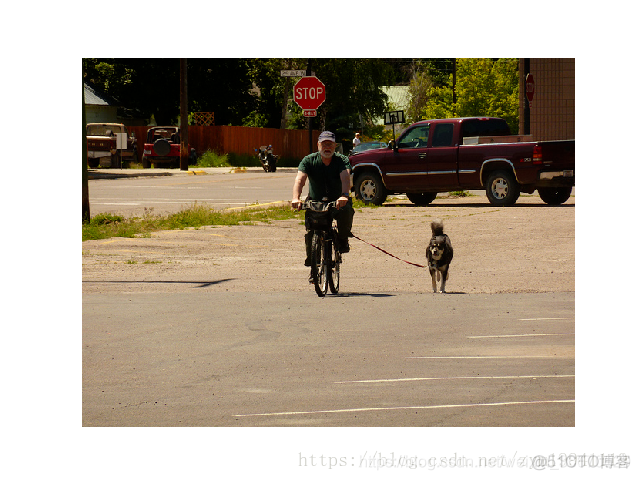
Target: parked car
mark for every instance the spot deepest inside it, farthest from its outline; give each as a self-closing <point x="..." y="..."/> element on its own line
<point x="162" y="147"/>
<point x="101" y="144"/>
<point x="443" y="155"/>
<point x="367" y="146"/>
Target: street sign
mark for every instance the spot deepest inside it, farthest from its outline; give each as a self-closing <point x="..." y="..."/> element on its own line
<point x="293" y="73"/>
<point x="530" y="87"/>
<point x="310" y="113"/>
<point x="309" y="93"/>
<point x="121" y="141"/>
<point x="394" y="117"/>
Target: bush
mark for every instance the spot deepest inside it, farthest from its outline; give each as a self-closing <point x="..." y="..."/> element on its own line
<point x="212" y="159"/>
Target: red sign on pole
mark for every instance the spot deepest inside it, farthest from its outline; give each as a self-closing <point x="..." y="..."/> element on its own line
<point x="309" y="93"/>
<point x="530" y="87"/>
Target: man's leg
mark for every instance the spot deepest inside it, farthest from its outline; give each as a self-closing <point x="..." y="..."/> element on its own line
<point x="344" y="220"/>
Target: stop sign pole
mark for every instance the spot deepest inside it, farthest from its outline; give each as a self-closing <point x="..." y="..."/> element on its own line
<point x="309" y="93"/>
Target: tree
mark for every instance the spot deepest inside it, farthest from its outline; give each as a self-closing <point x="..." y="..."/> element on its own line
<point x="484" y="87"/>
<point x="420" y="88"/>
<point x="353" y="92"/>
<point x="223" y="86"/>
<point x="152" y="86"/>
<point x="244" y="91"/>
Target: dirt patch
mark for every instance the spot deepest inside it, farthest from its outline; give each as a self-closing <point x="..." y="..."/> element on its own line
<point x="529" y="247"/>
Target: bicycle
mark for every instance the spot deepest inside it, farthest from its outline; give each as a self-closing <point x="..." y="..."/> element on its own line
<point x="325" y="247"/>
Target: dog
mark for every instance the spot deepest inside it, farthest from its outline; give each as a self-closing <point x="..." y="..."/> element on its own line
<point x="439" y="254"/>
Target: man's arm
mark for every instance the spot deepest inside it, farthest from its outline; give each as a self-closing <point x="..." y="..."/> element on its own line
<point x="345" y="178"/>
<point x="298" y="185"/>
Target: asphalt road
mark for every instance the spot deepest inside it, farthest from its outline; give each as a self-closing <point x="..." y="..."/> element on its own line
<point x="132" y="192"/>
<point x="263" y="359"/>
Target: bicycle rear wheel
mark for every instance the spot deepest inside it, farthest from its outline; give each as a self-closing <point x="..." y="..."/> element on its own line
<point x="335" y="258"/>
<point x="319" y="271"/>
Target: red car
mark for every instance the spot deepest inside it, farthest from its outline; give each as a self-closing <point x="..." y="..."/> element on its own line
<point x="163" y="147"/>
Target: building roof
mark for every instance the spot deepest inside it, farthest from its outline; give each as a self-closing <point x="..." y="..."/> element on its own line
<point x="398" y="95"/>
<point x="91" y="97"/>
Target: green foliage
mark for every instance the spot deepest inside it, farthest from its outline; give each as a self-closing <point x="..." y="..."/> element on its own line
<point x="151" y="86"/>
<point x="193" y="217"/>
<point x="420" y="89"/>
<point x="212" y="159"/>
<point x="375" y="132"/>
<point x="255" y="119"/>
<point x="106" y="219"/>
<point x="353" y="89"/>
<point x="484" y="87"/>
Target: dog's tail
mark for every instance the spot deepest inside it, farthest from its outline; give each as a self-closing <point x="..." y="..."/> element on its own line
<point x="437" y="227"/>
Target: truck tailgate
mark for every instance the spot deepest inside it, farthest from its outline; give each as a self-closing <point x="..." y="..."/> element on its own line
<point x="558" y="154"/>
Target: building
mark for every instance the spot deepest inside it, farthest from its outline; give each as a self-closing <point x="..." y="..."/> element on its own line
<point x="101" y="108"/>
<point x="552" y="109"/>
<point x="98" y="108"/>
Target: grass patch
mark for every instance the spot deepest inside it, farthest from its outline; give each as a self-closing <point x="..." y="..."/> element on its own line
<point x="106" y="225"/>
<point x="461" y="193"/>
<point x="212" y="159"/>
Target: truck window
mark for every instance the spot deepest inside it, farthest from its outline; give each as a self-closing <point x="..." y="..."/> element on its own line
<point x="442" y="135"/>
<point x="485" y="128"/>
<point x="415" y="138"/>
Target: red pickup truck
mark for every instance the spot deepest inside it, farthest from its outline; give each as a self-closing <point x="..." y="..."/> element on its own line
<point x="101" y="145"/>
<point x="473" y="153"/>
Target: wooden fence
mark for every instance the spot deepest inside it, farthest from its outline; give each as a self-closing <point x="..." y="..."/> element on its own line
<point x="241" y="140"/>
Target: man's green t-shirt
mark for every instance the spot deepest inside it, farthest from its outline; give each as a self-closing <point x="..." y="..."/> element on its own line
<point x="324" y="180"/>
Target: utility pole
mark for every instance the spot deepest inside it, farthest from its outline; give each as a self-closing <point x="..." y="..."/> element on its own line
<point x="310" y="118"/>
<point x="526" y="113"/>
<point x="454" y="86"/>
<point x="86" y="213"/>
<point x="184" y="117"/>
<point x="285" y="99"/>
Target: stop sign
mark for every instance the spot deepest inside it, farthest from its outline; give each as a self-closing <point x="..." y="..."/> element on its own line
<point x="309" y="93"/>
<point x="530" y="87"/>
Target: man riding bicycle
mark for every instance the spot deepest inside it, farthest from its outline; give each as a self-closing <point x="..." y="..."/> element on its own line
<point x="329" y="178"/>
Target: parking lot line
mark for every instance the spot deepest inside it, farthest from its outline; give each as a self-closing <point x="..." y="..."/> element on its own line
<point x="417" y="407"/>
<point x="543" y="318"/>
<point x="504" y="377"/>
<point x="522" y="335"/>
<point x="493" y="357"/>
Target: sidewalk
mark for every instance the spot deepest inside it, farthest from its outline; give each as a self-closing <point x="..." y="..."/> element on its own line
<point x="112" y="173"/>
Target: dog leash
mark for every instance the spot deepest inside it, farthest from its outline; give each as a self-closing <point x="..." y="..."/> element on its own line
<point x="391" y="255"/>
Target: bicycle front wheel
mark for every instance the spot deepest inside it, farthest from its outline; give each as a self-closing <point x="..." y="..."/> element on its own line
<point x="319" y="271"/>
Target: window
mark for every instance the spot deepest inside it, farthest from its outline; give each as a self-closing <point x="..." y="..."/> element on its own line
<point x="414" y="138"/>
<point x="442" y="135"/>
<point x="485" y="128"/>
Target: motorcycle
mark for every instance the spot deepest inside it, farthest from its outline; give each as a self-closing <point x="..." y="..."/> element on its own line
<point x="267" y="158"/>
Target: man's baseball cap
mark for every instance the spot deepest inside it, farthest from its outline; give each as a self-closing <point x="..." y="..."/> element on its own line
<point x="326" y="136"/>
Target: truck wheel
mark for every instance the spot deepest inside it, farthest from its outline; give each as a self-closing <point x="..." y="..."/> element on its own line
<point x="370" y="189"/>
<point x="502" y="188"/>
<point x="421" y="199"/>
<point x="554" y="195"/>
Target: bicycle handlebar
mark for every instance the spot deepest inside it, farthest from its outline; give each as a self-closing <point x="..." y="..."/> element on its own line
<point x="318" y="205"/>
